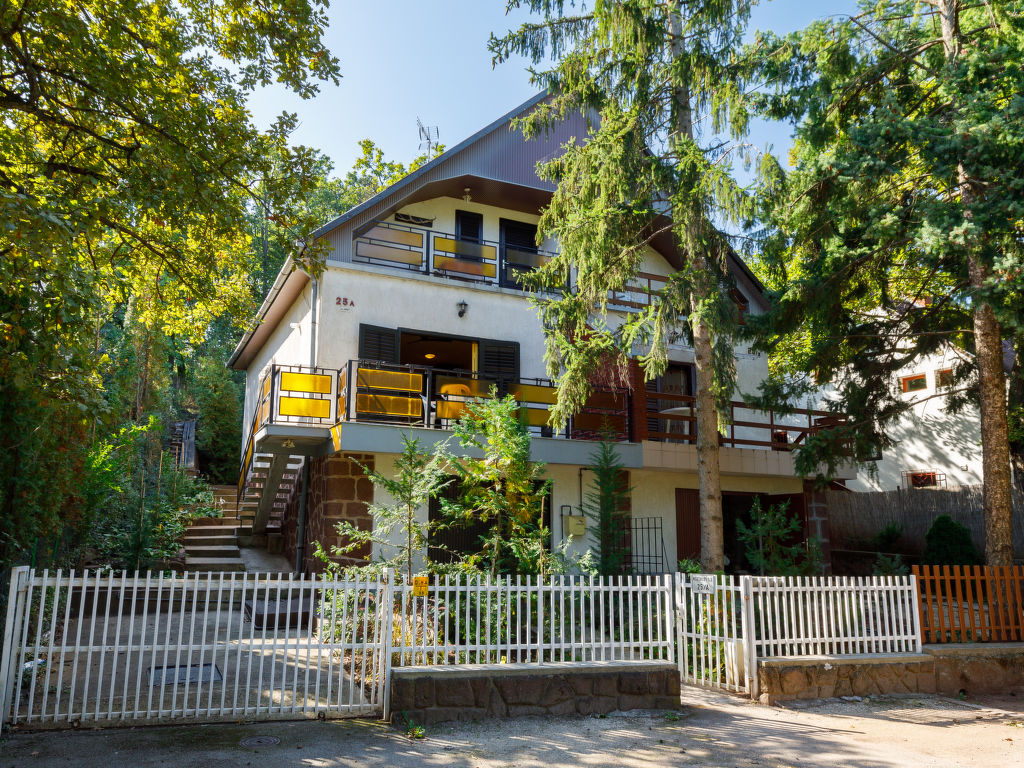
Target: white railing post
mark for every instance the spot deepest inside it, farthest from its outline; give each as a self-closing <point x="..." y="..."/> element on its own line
<point x="8" y="666"/>
<point x="747" y="627"/>
<point x="916" y="608"/>
<point x="385" y="646"/>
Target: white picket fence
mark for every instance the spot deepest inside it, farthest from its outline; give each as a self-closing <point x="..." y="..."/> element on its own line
<point x="116" y="648"/>
<point x="726" y="624"/>
<point x="526" y="619"/>
<point x="107" y="648"/>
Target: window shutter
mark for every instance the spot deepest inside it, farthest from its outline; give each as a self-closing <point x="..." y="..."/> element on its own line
<point x="500" y="360"/>
<point x="377" y="343"/>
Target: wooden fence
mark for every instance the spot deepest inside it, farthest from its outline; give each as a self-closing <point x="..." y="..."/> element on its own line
<point x="854" y="518"/>
<point x="963" y="604"/>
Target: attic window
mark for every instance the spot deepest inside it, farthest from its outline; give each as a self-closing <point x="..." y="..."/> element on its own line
<point x="924" y="479"/>
<point x="417" y="221"/>
<point x="944" y="378"/>
<point x="915" y="383"/>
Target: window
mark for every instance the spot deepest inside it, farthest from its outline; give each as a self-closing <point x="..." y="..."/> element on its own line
<point x="469" y="226"/>
<point x="914" y="383"/>
<point x="924" y="478"/>
<point x="944" y="378"/>
<point x="518" y="249"/>
<point x="742" y="306"/>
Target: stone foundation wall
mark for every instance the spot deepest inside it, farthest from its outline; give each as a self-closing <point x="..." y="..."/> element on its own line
<point x="338" y="490"/>
<point x="944" y="669"/>
<point x="428" y="695"/>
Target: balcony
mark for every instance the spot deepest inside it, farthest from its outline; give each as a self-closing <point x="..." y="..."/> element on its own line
<point x="430" y="252"/>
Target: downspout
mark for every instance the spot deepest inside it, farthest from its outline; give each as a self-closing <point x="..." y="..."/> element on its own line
<point x="300" y="527"/>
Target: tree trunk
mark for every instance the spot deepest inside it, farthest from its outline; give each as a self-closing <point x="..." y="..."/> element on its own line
<point x="1015" y="407"/>
<point x="712" y="536"/>
<point x="988" y="348"/>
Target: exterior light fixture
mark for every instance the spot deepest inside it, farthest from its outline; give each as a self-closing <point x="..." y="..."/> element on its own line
<point x="465" y="195"/>
<point x="463" y="307"/>
<point x="430" y="355"/>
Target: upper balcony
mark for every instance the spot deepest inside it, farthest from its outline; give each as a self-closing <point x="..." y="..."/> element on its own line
<point x="425" y="251"/>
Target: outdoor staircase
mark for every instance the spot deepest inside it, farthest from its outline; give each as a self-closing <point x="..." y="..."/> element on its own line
<point x="268" y="487"/>
<point x="211" y="543"/>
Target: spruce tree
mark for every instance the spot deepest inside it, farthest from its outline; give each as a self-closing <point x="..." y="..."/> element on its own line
<point x="665" y="84"/>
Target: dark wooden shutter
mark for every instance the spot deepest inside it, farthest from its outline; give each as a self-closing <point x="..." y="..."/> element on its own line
<point x="377" y="343"/>
<point x="499" y="360"/>
<point x="687" y="524"/>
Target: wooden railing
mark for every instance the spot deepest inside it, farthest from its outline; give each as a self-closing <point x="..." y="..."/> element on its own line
<point x="971" y="603"/>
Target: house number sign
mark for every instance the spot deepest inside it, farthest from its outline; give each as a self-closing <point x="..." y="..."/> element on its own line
<point x="344" y="302"/>
<point x="703" y="584"/>
<point x="420" y="585"/>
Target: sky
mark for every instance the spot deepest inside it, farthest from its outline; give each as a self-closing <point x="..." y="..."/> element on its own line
<point x="428" y="59"/>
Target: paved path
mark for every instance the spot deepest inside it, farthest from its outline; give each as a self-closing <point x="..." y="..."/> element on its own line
<point x="711" y="730"/>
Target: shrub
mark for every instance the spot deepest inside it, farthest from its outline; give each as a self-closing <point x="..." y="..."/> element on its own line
<point x="949" y="543"/>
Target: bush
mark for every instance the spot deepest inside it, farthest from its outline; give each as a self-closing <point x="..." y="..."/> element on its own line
<point x="949" y="543"/>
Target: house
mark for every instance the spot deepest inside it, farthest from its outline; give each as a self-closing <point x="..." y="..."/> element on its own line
<point x="420" y="307"/>
<point x="932" y="447"/>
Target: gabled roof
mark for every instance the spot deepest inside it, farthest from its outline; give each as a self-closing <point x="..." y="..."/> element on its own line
<point x="426" y="168"/>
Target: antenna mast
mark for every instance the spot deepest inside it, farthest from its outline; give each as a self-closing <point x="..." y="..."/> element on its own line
<point x="428" y="137"/>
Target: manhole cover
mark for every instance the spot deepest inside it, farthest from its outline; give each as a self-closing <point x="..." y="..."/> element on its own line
<point x="260" y="741"/>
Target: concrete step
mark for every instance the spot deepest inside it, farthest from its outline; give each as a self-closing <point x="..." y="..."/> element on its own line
<point x="218" y="539"/>
<point x="213" y="530"/>
<point x="206" y="564"/>
<point x="193" y="550"/>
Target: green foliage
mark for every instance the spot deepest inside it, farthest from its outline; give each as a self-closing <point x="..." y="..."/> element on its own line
<point x="416" y="478"/>
<point x="218" y="402"/>
<point x="905" y="172"/>
<point x="770" y="545"/>
<point x="606" y="506"/>
<point x="887" y="538"/>
<point x="890" y="565"/>
<point x="502" y="488"/>
<point x="949" y="543"/>
<point x="689" y="565"/>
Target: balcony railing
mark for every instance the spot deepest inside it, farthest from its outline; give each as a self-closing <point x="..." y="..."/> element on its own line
<point x="432" y="252"/>
<point x="423" y="396"/>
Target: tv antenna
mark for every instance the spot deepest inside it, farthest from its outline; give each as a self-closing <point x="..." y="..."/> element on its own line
<point x="428" y="137"/>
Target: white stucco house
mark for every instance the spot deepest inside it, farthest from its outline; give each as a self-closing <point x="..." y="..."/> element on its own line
<point x="420" y="308"/>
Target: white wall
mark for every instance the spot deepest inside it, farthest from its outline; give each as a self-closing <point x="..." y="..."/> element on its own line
<point x="927" y="437"/>
<point x="289" y="343"/>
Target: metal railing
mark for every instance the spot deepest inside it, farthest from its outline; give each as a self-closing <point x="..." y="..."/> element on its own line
<point x="431" y="251"/>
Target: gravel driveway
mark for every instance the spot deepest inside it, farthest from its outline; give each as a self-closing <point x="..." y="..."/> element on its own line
<point x="709" y="730"/>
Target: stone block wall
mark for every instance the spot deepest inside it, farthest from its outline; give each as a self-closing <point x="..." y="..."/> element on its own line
<point x="338" y="490"/>
<point x="428" y="695"/>
<point x="973" y="668"/>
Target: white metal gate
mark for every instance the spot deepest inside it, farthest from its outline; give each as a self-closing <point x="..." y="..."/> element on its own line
<point x="713" y="628"/>
<point x="105" y="648"/>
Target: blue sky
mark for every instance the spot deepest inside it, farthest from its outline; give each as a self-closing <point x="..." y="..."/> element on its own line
<point x="403" y="59"/>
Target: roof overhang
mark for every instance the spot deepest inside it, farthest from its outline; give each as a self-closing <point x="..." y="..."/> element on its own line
<point x="287" y="286"/>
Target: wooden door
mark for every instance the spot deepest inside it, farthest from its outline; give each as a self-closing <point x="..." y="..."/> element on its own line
<point x="687" y="524"/>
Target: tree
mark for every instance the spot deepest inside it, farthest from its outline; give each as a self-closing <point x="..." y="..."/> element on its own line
<point x="503" y="488"/>
<point x="666" y="81"/>
<point x="606" y="506"/>
<point x="897" y="231"/>
<point x="127" y="162"/>
<point x="415" y="480"/>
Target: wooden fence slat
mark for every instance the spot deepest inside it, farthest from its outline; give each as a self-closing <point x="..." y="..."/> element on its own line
<point x="971" y="603"/>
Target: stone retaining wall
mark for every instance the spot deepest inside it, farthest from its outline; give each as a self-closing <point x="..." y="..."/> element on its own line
<point x="973" y="668"/>
<point x="428" y="695"/>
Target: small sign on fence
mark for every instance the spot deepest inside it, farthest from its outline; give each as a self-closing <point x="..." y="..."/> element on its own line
<point x="420" y="586"/>
<point x="703" y="583"/>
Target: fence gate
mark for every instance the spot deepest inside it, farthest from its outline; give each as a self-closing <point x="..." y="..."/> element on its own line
<point x="713" y="632"/>
<point x="111" y="648"/>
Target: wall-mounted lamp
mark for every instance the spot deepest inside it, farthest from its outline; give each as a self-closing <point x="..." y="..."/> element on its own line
<point x="463" y="307"/>
<point x="466" y="195"/>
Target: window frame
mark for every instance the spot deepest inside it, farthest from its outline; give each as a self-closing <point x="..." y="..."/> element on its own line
<point x="906" y="380"/>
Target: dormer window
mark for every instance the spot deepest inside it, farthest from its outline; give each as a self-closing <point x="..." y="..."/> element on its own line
<point x="742" y="306"/>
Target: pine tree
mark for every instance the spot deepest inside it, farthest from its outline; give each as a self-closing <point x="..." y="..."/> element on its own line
<point x="897" y="232"/>
<point x="666" y="82"/>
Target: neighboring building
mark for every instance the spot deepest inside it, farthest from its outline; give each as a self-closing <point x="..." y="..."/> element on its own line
<point x="932" y="447"/>
<point x="420" y="308"/>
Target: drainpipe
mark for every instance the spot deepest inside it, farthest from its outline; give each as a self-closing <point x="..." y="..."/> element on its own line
<point x="300" y="527"/>
<point x="313" y="312"/>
